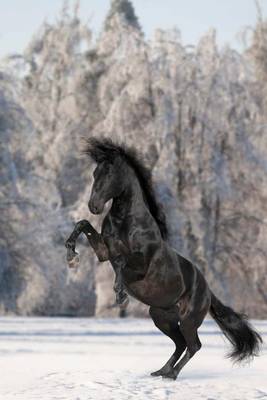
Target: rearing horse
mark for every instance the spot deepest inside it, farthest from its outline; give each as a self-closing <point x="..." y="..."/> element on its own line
<point x="134" y="239"/>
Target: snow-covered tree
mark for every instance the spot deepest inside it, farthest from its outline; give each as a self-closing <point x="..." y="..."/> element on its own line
<point x="197" y="115"/>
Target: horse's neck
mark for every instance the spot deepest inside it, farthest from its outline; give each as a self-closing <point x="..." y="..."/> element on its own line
<point x="129" y="201"/>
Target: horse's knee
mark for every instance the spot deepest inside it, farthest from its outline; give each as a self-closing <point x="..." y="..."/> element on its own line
<point x="81" y="224"/>
<point x="195" y="347"/>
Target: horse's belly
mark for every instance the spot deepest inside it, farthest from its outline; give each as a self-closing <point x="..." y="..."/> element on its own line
<point x="155" y="293"/>
<point x="162" y="284"/>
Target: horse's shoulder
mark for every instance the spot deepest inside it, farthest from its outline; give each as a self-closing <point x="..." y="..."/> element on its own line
<point x="109" y="226"/>
<point x="106" y="225"/>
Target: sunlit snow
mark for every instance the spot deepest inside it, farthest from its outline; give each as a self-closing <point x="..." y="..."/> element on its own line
<point x="82" y="359"/>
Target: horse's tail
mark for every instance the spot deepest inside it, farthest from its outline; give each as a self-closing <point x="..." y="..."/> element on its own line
<point x="245" y="340"/>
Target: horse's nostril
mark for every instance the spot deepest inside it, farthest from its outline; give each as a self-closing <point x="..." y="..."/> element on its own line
<point x="96" y="205"/>
<point x="93" y="208"/>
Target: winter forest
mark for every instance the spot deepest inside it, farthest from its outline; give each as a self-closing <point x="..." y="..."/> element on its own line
<point x="197" y="114"/>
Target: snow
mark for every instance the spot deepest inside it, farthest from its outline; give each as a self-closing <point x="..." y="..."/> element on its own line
<point x="82" y="359"/>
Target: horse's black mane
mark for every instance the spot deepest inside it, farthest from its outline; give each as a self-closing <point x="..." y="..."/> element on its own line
<point x="106" y="150"/>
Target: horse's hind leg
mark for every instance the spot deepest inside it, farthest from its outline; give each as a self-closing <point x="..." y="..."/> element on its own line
<point x="189" y="324"/>
<point x="167" y="322"/>
<point x="193" y="344"/>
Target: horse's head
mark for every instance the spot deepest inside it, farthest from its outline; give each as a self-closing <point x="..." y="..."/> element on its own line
<point x="109" y="182"/>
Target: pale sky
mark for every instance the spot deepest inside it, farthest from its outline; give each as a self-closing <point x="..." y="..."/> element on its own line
<point x="19" y="19"/>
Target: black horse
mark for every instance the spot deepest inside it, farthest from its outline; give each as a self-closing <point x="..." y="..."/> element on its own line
<point x="134" y="239"/>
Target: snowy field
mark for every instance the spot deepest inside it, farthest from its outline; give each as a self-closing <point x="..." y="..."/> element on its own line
<point x="82" y="359"/>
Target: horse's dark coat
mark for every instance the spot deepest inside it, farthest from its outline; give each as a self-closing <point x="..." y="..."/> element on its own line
<point x="133" y="239"/>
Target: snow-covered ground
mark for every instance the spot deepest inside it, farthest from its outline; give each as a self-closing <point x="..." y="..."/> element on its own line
<point x="82" y="359"/>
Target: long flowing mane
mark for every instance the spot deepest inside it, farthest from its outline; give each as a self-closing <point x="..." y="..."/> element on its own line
<point x="106" y="150"/>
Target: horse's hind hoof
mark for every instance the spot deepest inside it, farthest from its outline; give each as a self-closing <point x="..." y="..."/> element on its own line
<point x="161" y="372"/>
<point x="156" y="373"/>
<point x="170" y="376"/>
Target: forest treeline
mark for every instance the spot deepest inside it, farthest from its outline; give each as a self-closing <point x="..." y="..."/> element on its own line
<point x="198" y="115"/>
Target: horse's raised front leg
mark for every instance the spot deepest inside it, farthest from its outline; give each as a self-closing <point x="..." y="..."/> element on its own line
<point x="94" y="238"/>
<point x="102" y="252"/>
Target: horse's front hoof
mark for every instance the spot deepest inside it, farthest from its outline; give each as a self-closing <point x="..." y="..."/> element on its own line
<point x="73" y="259"/>
<point x="74" y="263"/>
<point x="125" y="303"/>
<point x="122" y="300"/>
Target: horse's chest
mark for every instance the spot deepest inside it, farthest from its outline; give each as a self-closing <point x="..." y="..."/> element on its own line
<point x="121" y="233"/>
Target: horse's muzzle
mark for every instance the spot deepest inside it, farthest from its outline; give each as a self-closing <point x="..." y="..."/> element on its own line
<point x="95" y="207"/>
